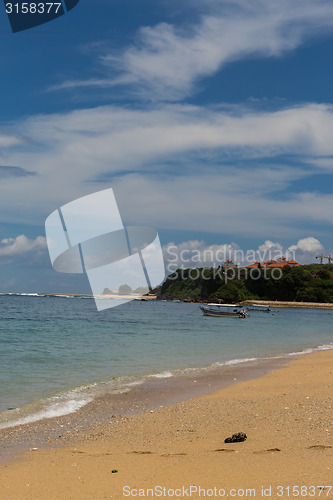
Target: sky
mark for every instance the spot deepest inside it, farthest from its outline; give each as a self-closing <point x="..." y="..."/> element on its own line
<point x="212" y="120"/>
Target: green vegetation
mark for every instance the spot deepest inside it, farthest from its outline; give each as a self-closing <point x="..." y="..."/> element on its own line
<point x="288" y="283"/>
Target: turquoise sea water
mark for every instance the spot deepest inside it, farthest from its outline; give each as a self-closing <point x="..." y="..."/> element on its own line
<point x="56" y="354"/>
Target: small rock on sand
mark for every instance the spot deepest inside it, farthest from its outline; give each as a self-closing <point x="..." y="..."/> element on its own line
<point x="238" y="437"/>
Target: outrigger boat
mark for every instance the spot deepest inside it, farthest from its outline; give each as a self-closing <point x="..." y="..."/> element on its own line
<point x="218" y="310"/>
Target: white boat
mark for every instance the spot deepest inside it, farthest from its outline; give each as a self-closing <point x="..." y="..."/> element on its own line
<point x="258" y="307"/>
<point x="218" y="310"/>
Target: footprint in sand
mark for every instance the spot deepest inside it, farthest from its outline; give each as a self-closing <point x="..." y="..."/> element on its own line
<point x="89" y="454"/>
<point x="268" y="451"/>
<point x="143" y="452"/>
<point x="318" y="447"/>
<point x="173" y="454"/>
<point x="227" y="450"/>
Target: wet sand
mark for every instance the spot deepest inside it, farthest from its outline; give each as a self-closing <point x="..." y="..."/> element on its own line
<point x="152" y="394"/>
<point x="286" y="413"/>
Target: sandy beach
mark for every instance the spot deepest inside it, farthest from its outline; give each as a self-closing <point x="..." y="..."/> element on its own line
<point x="287" y="415"/>
<point x="293" y="304"/>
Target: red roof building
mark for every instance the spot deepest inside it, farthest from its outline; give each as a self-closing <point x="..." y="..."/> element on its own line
<point x="254" y="266"/>
<point x="281" y="262"/>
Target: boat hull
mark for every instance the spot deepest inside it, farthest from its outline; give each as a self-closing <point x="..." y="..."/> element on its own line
<point x="217" y="314"/>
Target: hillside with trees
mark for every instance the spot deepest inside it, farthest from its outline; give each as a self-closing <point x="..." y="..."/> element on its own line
<point x="311" y="283"/>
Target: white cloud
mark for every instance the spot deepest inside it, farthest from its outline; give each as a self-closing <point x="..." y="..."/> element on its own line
<point x="165" y="131"/>
<point x="270" y="246"/>
<point x="307" y="245"/>
<point x="20" y="245"/>
<point x="205" y="203"/>
<point x="173" y="166"/>
<point x="269" y="250"/>
<point x="167" y="61"/>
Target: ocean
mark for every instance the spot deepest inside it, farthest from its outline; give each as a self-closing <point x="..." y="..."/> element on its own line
<point x="57" y="353"/>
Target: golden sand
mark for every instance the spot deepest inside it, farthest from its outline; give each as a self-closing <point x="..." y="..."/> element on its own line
<point x="284" y="303"/>
<point x="287" y="415"/>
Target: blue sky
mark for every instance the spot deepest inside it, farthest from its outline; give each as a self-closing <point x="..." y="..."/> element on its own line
<point x="211" y="120"/>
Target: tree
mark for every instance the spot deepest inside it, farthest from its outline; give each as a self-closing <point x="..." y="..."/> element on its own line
<point x="229" y="292"/>
<point x="324" y="274"/>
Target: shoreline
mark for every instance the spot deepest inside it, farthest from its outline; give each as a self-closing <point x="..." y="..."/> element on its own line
<point x="285" y="412"/>
<point x="151" y="394"/>
<point x="272" y="303"/>
<point x="71" y="397"/>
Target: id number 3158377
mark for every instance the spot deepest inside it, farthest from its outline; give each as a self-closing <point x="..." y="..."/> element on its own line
<point x="33" y="8"/>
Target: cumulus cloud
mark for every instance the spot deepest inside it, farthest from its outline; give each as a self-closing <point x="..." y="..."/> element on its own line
<point x="20" y="245"/>
<point x="167" y="61"/>
<point x="270" y="247"/>
<point x="307" y="245"/>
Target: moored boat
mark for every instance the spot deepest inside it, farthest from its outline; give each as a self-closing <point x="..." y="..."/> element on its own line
<point x="218" y="310"/>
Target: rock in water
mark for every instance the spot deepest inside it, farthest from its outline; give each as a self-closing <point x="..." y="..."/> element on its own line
<point x="238" y="437"/>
